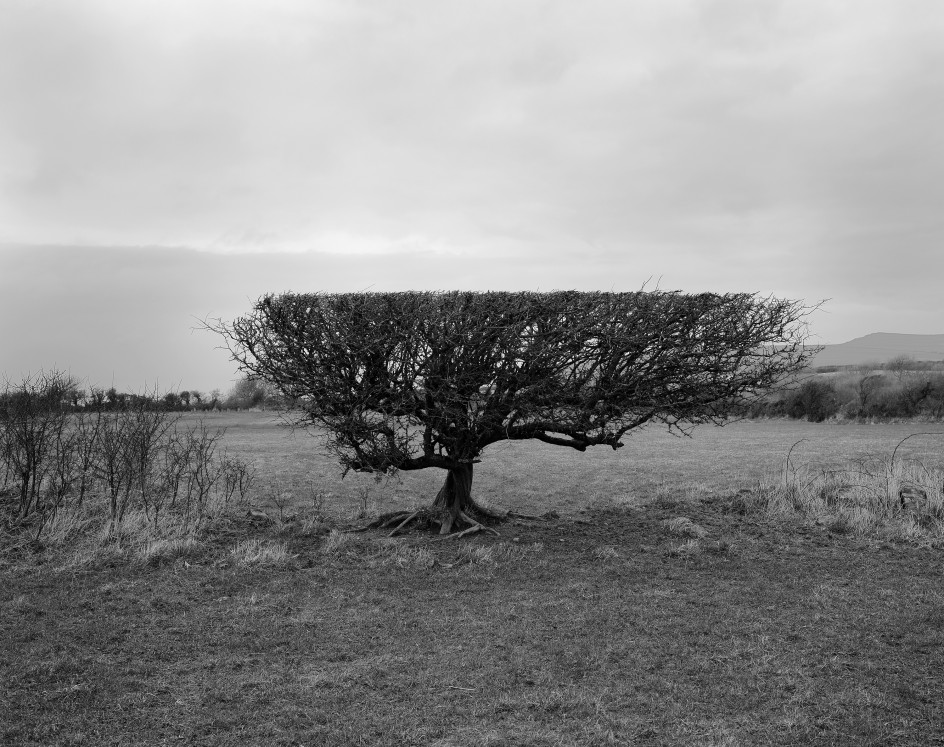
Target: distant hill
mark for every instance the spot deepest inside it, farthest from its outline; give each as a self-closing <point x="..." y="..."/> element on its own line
<point x="881" y="347"/>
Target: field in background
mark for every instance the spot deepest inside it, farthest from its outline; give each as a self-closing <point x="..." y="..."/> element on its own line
<point x="534" y="478"/>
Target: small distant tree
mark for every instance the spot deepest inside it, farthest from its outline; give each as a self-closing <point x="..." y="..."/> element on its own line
<point x="407" y="381"/>
<point x="899" y="365"/>
<point x="249" y="392"/>
<point x="96" y="398"/>
<point x="76" y="396"/>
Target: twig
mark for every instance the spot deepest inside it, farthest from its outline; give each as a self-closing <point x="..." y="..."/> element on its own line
<point x="406" y="521"/>
<point x="786" y="464"/>
<point x="930" y="433"/>
<point x="464" y="532"/>
<point x="469" y="520"/>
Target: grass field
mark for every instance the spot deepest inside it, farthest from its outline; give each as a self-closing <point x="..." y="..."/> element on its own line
<point x="531" y="477"/>
<point x="654" y="611"/>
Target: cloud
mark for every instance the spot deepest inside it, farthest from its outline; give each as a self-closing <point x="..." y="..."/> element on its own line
<point x="761" y="144"/>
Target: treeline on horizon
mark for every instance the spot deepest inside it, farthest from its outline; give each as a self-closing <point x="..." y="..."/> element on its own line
<point x="899" y="389"/>
<point x="902" y="388"/>
<point x="70" y="394"/>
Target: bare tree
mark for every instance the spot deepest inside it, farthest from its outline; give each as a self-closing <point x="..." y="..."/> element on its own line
<point x="899" y="365"/>
<point x="251" y="392"/>
<point x="406" y="381"/>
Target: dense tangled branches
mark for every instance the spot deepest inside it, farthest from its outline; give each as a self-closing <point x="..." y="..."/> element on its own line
<point x="56" y="455"/>
<point x="407" y="381"/>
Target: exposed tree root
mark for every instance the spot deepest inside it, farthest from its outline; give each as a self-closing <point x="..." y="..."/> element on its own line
<point x="453" y="524"/>
<point x="356" y="530"/>
<point x="473" y="527"/>
<point x="494" y="515"/>
<point x="406" y="521"/>
<point x="387" y="520"/>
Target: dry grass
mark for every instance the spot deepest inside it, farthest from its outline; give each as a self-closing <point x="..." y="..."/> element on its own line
<point x="688" y="549"/>
<point x="606" y="552"/>
<point x="557" y="633"/>
<point x="682" y="526"/>
<point x="77" y="539"/>
<point x="169" y="549"/>
<point x="885" y="497"/>
<point x="260" y="552"/>
<point x="402" y="555"/>
<point x="337" y="542"/>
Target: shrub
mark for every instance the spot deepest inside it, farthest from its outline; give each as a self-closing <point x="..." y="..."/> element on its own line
<point x="36" y="442"/>
<point x="67" y="470"/>
<point x="857" y="395"/>
<point x="815" y="400"/>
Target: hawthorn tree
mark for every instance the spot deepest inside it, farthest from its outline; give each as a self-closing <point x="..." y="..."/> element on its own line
<point x="407" y="381"/>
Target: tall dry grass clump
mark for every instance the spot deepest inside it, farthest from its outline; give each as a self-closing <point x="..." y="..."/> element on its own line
<point x="254" y="551"/>
<point x="887" y="496"/>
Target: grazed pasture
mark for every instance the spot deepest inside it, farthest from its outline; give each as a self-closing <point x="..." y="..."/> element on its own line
<point x="534" y="478"/>
<point x="651" y="613"/>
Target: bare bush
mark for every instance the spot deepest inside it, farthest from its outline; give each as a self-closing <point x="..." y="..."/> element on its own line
<point x="107" y="458"/>
<point x="36" y="442"/>
<point x="237" y="477"/>
<point x="146" y="438"/>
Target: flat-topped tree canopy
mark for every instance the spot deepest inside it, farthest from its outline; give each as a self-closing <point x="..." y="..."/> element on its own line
<point x="405" y="381"/>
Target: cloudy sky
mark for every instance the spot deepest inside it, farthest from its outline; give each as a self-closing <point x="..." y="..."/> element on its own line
<point x="165" y="162"/>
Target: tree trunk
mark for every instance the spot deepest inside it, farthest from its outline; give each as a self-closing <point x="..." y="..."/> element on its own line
<point x="456" y="493"/>
<point x="454" y="498"/>
<point x="453" y="509"/>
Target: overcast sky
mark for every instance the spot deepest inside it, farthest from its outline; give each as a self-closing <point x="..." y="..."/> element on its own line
<point x="163" y="162"/>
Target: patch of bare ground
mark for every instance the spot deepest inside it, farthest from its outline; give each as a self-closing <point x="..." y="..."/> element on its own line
<point x="625" y="626"/>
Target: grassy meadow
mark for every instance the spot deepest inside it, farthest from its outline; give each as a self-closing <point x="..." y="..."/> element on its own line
<point x="531" y="477"/>
<point x="688" y="592"/>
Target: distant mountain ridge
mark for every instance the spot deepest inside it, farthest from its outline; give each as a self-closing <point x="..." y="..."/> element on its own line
<point x="880" y="347"/>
